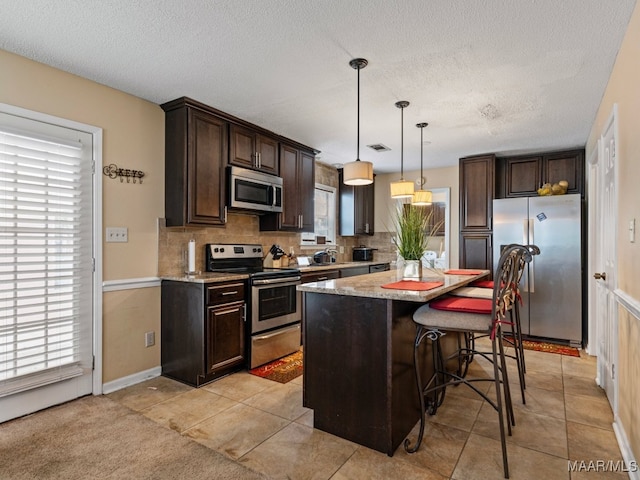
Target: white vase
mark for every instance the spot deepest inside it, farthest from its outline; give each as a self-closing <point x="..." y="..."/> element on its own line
<point x="411" y="269"/>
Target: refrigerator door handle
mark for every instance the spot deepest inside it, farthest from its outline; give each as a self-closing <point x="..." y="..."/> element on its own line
<point x="532" y="264"/>
<point x="525" y="241"/>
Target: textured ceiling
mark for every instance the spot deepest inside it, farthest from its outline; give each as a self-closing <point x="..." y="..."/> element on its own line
<point x="505" y="76"/>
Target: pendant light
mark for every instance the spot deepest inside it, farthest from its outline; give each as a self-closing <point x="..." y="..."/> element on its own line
<point x="401" y="188"/>
<point x="422" y="197"/>
<point x="358" y="172"/>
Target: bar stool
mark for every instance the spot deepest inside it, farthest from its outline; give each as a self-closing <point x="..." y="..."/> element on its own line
<point x="464" y="315"/>
<point x="515" y="337"/>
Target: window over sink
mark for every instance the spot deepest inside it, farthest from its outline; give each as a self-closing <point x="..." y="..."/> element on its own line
<point x="324" y="231"/>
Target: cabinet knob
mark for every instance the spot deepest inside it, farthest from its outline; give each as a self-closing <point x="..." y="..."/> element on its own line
<point x="600" y="276"/>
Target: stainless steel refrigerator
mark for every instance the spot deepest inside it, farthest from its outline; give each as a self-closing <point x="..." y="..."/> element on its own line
<point x="552" y="285"/>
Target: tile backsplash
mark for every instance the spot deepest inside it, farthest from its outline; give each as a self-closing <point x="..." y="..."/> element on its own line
<point x="243" y="228"/>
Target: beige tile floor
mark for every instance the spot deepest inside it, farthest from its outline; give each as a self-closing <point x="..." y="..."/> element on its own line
<point x="263" y="425"/>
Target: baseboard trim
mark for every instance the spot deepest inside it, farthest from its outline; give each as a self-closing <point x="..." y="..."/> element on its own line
<point x="625" y="449"/>
<point x="129" y="380"/>
<point x="130" y="284"/>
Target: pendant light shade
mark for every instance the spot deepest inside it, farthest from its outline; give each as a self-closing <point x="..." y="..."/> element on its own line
<point x="422" y="197"/>
<point x="402" y="188"/>
<point x="358" y="172"/>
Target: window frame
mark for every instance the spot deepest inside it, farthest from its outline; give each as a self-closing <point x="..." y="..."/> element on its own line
<point x="309" y="239"/>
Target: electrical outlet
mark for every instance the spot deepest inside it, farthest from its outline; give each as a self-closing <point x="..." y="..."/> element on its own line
<point x="117" y="234"/>
<point x="149" y="339"/>
<point x="341" y="248"/>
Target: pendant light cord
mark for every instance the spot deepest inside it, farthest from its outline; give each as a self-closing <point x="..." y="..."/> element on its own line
<point x="421" y="149"/>
<point x="358" y="135"/>
<point x="402" y="144"/>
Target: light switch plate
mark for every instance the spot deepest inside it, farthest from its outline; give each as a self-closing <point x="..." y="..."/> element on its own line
<point x="117" y="234"/>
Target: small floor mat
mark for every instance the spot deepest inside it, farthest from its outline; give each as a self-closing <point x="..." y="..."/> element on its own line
<point x="282" y="370"/>
<point x="548" y="347"/>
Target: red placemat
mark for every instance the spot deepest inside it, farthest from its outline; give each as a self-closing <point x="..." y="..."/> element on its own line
<point x="463" y="272"/>
<point x="413" y="285"/>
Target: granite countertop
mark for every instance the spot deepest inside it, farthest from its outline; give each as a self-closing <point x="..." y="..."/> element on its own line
<point x="334" y="266"/>
<point x="370" y="285"/>
<point x="207" y="277"/>
<point x="210" y="277"/>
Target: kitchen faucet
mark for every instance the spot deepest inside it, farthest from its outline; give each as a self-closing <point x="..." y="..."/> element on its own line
<point x="332" y="252"/>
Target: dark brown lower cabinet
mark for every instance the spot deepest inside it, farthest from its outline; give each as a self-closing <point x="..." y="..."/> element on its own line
<point x="476" y="250"/>
<point x="202" y="330"/>
<point x="225" y="336"/>
<point x="319" y="276"/>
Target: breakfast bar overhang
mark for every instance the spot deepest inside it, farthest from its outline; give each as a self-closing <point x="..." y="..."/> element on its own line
<point x="358" y="355"/>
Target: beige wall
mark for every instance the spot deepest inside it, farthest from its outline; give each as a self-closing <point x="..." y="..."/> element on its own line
<point x="133" y="137"/>
<point x="623" y="90"/>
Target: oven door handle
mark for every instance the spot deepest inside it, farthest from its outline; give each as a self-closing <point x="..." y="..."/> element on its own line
<point x="267" y="336"/>
<point x="276" y="281"/>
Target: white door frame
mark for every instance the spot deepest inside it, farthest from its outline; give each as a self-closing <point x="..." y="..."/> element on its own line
<point x="603" y="318"/>
<point x="592" y="221"/>
<point x="53" y="394"/>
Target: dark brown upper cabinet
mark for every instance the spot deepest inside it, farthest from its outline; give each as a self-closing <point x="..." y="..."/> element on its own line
<point x="356" y="208"/>
<point x="568" y="165"/>
<point x="476" y="192"/>
<point x="196" y="152"/>
<point x="250" y="149"/>
<point x="297" y="167"/>
<point x="522" y="175"/>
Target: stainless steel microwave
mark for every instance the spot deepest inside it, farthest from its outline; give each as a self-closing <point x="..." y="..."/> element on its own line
<point x="257" y="191"/>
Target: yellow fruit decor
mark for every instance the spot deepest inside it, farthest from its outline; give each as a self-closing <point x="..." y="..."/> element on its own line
<point x="559" y="188"/>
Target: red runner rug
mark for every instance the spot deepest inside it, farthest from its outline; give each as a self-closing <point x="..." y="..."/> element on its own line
<point x="548" y="347"/>
<point x="282" y="370"/>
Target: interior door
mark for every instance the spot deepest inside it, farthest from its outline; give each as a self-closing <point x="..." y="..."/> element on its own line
<point x="47" y="237"/>
<point x="604" y="266"/>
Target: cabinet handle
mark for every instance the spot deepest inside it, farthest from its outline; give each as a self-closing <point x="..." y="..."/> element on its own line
<point x="225" y="214"/>
<point x="230" y="293"/>
<point x="259" y="160"/>
<point x="224" y="312"/>
<point x="366" y="228"/>
<point x="319" y="279"/>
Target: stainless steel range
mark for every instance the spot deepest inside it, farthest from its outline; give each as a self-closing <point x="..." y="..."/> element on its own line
<point x="274" y="304"/>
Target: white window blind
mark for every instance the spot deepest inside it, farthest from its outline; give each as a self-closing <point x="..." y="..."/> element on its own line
<point x="45" y="253"/>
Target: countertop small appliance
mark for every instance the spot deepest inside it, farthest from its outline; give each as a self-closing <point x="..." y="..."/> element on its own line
<point x="363" y="254"/>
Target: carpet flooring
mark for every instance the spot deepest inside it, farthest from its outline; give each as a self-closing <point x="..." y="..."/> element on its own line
<point x="95" y="437"/>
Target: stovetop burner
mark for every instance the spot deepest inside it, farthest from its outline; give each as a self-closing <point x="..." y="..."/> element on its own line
<point x="242" y="258"/>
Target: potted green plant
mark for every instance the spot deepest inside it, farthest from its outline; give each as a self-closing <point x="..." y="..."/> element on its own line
<point x="413" y="231"/>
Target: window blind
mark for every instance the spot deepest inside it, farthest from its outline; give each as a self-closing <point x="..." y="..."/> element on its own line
<point x="45" y="253"/>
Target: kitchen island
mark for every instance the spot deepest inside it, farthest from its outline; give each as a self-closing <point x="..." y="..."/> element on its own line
<point x="358" y="355"/>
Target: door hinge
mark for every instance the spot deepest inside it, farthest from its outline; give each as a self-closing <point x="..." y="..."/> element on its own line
<point x="93" y="264"/>
<point x="93" y="363"/>
<point x="93" y="167"/>
<point x="613" y="371"/>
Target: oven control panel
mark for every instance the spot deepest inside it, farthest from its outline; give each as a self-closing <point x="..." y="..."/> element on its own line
<point x="223" y="250"/>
